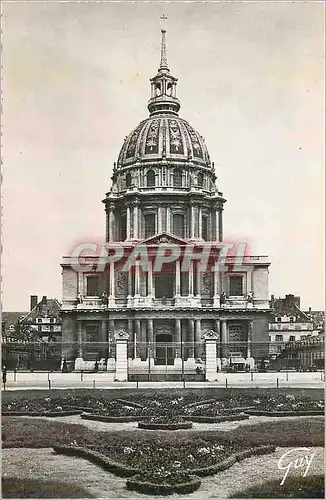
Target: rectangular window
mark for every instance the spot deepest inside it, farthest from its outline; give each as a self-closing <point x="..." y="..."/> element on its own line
<point x="205" y="228"/>
<point x="150" y="225"/>
<point x="178" y="225"/>
<point x="292" y="338"/>
<point x="236" y="286"/>
<point x="52" y="320"/>
<point x="291" y="319"/>
<point x="278" y="320"/>
<point x="278" y="338"/>
<point x="92" y="286"/>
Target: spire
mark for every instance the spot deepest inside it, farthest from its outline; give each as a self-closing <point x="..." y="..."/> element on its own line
<point x="163" y="86"/>
<point x="164" y="58"/>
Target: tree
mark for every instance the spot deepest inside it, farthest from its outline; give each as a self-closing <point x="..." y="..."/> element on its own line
<point x="24" y="332"/>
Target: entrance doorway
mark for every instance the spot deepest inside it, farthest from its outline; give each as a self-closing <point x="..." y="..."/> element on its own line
<point x="164" y="286"/>
<point x="164" y="352"/>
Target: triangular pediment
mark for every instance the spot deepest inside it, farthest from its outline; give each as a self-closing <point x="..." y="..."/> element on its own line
<point x="163" y="238"/>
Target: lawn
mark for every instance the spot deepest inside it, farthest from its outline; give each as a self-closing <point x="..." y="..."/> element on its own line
<point x="294" y="487"/>
<point x="14" y="487"/>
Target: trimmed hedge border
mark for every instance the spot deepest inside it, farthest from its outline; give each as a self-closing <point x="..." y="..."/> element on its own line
<point x="163" y="489"/>
<point x="108" y="419"/>
<point x="214" y="420"/>
<point x="129" y="403"/>
<point x="236" y="457"/>
<point x="103" y="461"/>
<point x="305" y="413"/>
<point x="64" y="413"/>
<point x="201" y="403"/>
<point x="164" y="427"/>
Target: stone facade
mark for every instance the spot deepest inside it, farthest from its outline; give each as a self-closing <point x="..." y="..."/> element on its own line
<point x="164" y="192"/>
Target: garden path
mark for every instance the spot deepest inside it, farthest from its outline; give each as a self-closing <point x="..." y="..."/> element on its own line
<point x="133" y="426"/>
<point x="43" y="463"/>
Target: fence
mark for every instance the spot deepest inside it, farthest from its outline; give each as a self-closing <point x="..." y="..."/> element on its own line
<point x="182" y="356"/>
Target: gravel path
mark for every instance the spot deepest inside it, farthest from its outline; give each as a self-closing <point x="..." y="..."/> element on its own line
<point x="133" y="426"/>
<point x="43" y="463"/>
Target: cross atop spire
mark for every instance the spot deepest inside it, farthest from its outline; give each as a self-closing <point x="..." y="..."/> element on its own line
<point x="164" y="58"/>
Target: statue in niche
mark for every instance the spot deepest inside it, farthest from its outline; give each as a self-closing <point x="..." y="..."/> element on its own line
<point x="250" y="297"/>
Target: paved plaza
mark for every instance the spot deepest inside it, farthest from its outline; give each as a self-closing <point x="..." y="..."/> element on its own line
<point x="104" y="380"/>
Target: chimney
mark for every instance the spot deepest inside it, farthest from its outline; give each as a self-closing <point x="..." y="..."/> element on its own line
<point x="310" y="310"/>
<point x="33" y="301"/>
<point x="44" y="298"/>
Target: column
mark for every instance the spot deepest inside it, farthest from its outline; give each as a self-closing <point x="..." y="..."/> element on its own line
<point x="168" y="220"/>
<point x="217" y="327"/>
<point x="177" y="278"/>
<point x="128" y="222"/>
<point x="104" y="339"/>
<point x="191" y="279"/>
<point x="150" y="331"/>
<point x="216" y="298"/>
<point x="112" y="285"/>
<point x="136" y="220"/>
<point x="137" y="280"/>
<point x="111" y="223"/>
<point x="150" y="279"/>
<point x="192" y="222"/>
<point x="224" y="353"/>
<point x="249" y="340"/>
<point x="200" y="222"/>
<point x="220" y="226"/>
<point x="137" y="338"/>
<point x="198" y="278"/>
<point x="80" y="339"/>
<point x="197" y="338"/>
<point x="159" y="219"/>
<point x="191" y="338"/>
<point x="178" y="335"/>
<point x="80" y="285"/>
<point x="216" y="225"/>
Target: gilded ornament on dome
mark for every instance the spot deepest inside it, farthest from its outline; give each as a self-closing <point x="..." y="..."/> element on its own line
<point x="176" y="145"/>
<point x="131" y="149"/>
<point x="151" y="146"/>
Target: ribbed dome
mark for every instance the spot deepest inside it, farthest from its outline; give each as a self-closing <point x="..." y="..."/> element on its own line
<point x="163" y="136"/>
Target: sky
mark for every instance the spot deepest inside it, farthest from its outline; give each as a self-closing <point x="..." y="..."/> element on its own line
<point x="76" y="82"/>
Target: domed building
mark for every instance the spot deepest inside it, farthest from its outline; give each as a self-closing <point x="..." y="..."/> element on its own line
<point x="164" y="192"/>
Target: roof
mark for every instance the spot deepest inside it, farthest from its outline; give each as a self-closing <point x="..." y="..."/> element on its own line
<point x="51" y="307"/>
<point x="164" y="136"/>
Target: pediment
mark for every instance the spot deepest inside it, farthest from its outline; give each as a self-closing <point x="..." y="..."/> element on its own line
<point x="164" y="238"/>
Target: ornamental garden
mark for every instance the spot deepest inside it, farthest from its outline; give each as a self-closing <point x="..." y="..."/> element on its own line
<point x="175" y="443"/>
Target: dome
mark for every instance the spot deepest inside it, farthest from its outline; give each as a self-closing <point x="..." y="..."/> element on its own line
<point x="164" y="136"/>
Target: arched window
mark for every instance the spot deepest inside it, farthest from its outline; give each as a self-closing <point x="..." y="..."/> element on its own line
<point x="128" y="180"/>
<point x="178" y="225"/>
<point x="169" y="89"/>
<point x="200" y="179"/>
<point x="150" y="225"/>
<point x="204" y="230"/>
<point x="177" y="177"/>
<point x="157" y="89"/>
<point x="150" y="178"/>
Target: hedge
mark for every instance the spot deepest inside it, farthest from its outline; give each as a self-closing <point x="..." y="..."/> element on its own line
<point x="106" y="418"/>
<point x="164" y="427"/>
<point x="304" y="413"/>
<point x="163" y="489"/>
<point x="217" y="419"/>
<point x="64" y="413"/>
